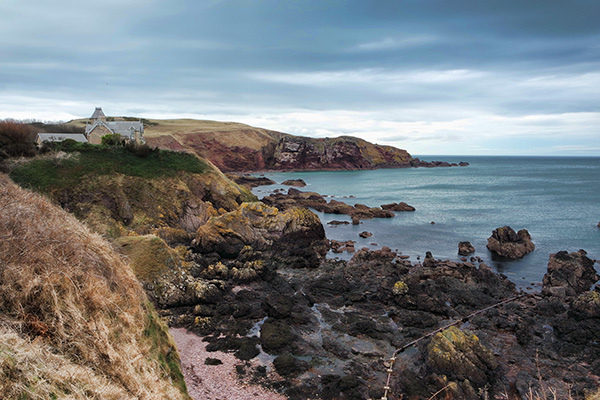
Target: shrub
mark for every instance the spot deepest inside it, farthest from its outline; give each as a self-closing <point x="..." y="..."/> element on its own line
<point x="112" y="140"/>
<point x="139" y="150"/>
<point x="16" y="139"/>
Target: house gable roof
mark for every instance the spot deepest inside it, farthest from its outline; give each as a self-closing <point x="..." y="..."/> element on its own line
<point x="98" y="113"/>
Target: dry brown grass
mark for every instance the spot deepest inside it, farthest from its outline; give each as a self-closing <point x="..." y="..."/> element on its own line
<point x="72" y="314"/>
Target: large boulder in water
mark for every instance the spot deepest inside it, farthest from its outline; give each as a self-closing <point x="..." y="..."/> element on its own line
<point x="569" y="274"/>
<point x="465" y="248"/>
<point x="510" y="244"/>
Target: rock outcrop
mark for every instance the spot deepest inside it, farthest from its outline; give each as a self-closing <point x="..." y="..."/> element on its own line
<point x="569" y="274"/>
<point x="460" y="356"/>
<point x="510" y="244"/>
<point x="294" y="232"/>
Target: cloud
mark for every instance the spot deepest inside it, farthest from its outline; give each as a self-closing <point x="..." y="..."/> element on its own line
<point x="437" y="76"/>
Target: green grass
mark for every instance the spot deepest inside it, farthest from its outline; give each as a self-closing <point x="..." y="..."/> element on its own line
<point x="91" y="160"/>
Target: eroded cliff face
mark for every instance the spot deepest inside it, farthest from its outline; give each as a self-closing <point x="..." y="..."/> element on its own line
<point x="301" y="153"/>
<point x="238" y="147"/>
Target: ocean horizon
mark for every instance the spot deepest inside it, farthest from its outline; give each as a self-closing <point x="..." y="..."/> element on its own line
<point x="554" y="197"/>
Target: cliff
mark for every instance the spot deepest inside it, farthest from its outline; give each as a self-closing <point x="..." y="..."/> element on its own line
<point x="74" y="321"/>
<point x="238" y="147"/>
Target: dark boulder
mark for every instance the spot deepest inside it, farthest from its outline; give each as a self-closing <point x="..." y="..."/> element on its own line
<point x="365" y="234"/>
<point x="510" y="244"/>
<point x="288" y="365"/>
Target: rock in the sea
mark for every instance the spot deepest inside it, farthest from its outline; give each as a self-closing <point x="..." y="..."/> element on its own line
<point x="402" y="206"/>
<point x="465" y="248"/>
<point x="335" y="222"/>
<point x="294" y="182"/>
<point x="510" y="244"/>
<point x="569" y="274"/>
<point x="365" y="234"/>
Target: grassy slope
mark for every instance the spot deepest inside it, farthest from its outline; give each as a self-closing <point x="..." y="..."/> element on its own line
<point x="58" y="172"/>
<point x="74" y="321"/>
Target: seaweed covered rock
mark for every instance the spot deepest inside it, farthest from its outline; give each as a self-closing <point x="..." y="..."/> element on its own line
<point x="569" y="274"/>
<point x="460" y="355"/>
<point x="510" y="244"/>
<point x="294" y="233"/>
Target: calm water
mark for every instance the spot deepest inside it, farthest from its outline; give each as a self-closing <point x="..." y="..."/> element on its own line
<point x="556" y="199"/>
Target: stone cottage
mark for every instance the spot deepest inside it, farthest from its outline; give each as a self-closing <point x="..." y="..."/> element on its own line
<point x="100" y="126"/>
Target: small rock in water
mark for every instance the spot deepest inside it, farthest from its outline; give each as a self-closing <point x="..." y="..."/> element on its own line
<point x="432" y="223"/>
<point x="365" y="234"/>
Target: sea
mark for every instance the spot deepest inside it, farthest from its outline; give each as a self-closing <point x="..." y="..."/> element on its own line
<point x="557" y="199"/>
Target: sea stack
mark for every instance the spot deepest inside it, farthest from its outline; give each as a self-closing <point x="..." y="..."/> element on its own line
<point x="510" y="244"/>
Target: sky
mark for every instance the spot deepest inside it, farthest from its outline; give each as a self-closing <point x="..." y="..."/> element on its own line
<point x="464" y="77"/>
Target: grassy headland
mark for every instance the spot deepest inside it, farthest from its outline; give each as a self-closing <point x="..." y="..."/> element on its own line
<point x="81" y="159"/>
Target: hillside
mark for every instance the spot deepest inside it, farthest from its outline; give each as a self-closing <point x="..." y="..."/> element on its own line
<point x="113" y="190"/>
<point x="75" y="323"/>
<point x="238" y="147"/>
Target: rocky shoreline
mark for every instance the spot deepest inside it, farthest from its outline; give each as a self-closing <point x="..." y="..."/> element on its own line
<point x="326" y="328"/>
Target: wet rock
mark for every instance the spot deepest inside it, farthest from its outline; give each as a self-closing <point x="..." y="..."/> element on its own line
<point x="365" y="234"/>
<point x="247" y="350"/>
<point x="294" y="182"/>
<point x="275" y="336"/>
<point x="288" y="365"/>
<point x="402" y="206"/>
<point x="465" y="248"/>
<point x="569" y="274"/>
<point x="510" y="244"/>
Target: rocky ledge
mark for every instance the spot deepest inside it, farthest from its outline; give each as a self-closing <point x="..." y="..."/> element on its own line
<point x="296" y="198"/>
